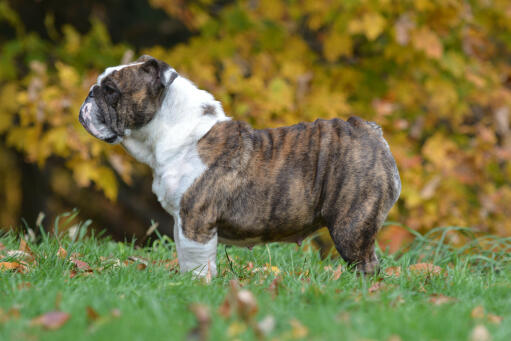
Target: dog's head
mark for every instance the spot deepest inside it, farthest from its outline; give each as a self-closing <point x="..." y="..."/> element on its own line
<point x="125" y="97"/>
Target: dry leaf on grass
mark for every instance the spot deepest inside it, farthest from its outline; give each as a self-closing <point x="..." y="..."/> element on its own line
<point x="425" y="269"/>
<point x="377" y="286"/>
<point x="80" y="265"/>
<point x="266" y="325"/>
<point x="439" y="299"/>
<point x="2" y="246"/>
<point x="61" y="253"/>
<point x="477" y="312"/>
<point x="393" y="271"/>
<point x="495" y="319"/>
<point x="337" y="273"/>
<point x="246" y="304"/>
<point x="298" y="330"/>
<point x="273" y="288"/>
<point x="203" y="317"/>
<point x="92" y="315"/>
<point x="480" y="333"/>
<point x="51" y="321"/>
<point x="6" y="266"/>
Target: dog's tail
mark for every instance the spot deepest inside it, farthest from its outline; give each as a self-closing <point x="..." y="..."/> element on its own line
<point x="370" y="127"/>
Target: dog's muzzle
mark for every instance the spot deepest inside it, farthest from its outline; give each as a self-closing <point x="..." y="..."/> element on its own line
<point x="92" y="120"/>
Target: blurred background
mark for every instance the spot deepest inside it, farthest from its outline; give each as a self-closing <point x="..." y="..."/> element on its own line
<point x="435" y="74"/>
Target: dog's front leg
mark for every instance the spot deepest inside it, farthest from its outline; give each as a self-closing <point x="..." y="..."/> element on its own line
<point x="194" y="256"/>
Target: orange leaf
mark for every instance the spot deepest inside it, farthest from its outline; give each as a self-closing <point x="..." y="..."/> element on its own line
<point x="393" y="271"/>
<point x="6" y="266"/>
<point x="425" y="269"/>
<point x="494" y="318"/>
<point x="52" y="320"/>
<point x="62" y="253"/>
<point x="439" y="299"/>
<point x="477" y="312"/>
<point x="92" y="314"/>
<point x="338" y="272"/>
<point x="81" y="265"/>
<point x="299" y="331"/>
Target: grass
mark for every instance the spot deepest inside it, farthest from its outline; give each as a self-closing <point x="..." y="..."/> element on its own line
<point x="154" y="303"/>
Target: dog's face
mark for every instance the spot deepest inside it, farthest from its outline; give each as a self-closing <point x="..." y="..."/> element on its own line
<point x="125" y="97"/>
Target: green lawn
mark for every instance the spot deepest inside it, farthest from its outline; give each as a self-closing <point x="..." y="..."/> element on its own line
<point x="134" y="302"/>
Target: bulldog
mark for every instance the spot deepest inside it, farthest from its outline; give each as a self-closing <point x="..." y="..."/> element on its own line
<point x="223" y="181"/>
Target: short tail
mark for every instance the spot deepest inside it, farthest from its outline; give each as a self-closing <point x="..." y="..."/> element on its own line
<point x="370" y="126"/>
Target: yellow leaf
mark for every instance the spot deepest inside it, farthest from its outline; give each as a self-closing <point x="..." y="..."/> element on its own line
<point x="371" y="24"/>
<point x="106" y="180"/>
<point x="68" y="76"/>
<point x="336" y="45"/>
<point x="427" y="41"/>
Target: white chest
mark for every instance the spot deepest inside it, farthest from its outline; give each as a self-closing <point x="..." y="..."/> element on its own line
<point x="173" y="179"/>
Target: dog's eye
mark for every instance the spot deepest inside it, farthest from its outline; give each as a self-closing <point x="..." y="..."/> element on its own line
<point x="112" y="94"/>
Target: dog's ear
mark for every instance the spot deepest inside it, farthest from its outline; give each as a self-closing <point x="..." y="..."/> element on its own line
<point x="143" y="58"/>
<point x="157" y="73"/>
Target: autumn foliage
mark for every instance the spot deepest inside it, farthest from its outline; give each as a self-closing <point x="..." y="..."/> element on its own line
<point x="434" y="74"/>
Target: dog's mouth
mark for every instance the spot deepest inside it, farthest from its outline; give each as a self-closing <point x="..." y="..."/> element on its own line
<point x="93" y="121"/>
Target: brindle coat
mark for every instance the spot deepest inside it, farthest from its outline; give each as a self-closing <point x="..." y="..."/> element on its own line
<point x="263" y="185"/>
<point x="281" y="184"/>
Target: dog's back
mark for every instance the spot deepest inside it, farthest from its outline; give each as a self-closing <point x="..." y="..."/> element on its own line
<point x="283" y="183"/>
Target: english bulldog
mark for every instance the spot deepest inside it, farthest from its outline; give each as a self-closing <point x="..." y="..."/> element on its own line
<point x="223" y="181"/>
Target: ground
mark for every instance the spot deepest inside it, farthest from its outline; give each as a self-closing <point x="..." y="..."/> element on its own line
<point x="106" y="290"/>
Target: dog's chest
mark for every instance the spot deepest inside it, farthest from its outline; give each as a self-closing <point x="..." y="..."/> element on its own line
<point x="175" y="175"/>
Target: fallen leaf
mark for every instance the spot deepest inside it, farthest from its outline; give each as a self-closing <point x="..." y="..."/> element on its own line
<point x="477" y="312"/>
<point x="495" y="319"/>
<point x="141" y="266"/>
<point x="298" y="330"/>
<point x="425" y="269"/>
<point x="62" y="253"/>
<point x="394" y="338"/>
<point x="52" y="320"/>
<point x="2" y="246"/>
<point x="249" y="266"/>
<point x="273" y="289"/>
<point x="12" y="313"/>
<point x="171" y="264"/>
<point x="24" y="246"/>
<point x="6" y="266"/>
<point x="203" y="317"/>
<point x="266" y="325"/>
<point x="225" y="309"/>
<point x="92" y="314"/>
<point x="267" y="268"/>
<point x="480" y="333"/>
<point x="393" y="271"/>
<point x="377" y="286"/>
<point x="397" y="301"/>
<point x="21" y="255"/>
<point x="246" y="304"/>
<point x="81" y="265"/>
<point x="139" y="260"/>
<point x="338" y="272"/>
<point x="439" y="299"/>
<point x="236" y="328"/>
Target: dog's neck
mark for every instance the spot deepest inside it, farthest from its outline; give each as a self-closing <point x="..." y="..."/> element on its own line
<point x="185" y="116"/>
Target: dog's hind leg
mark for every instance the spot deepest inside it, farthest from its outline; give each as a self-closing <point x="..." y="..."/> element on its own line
<point x="354" y="235"/>
<point x="193" y="255"/>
